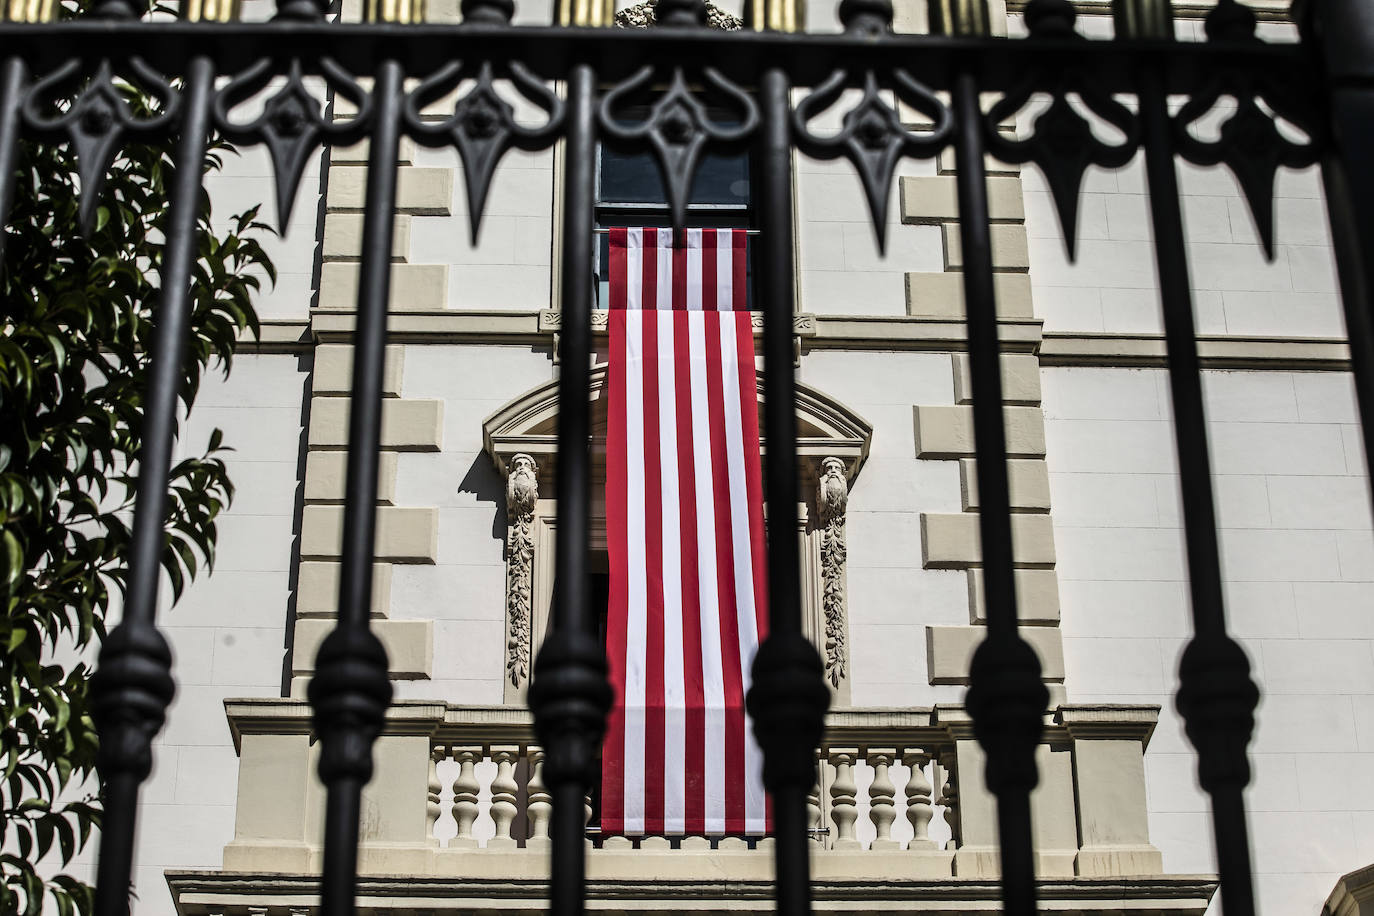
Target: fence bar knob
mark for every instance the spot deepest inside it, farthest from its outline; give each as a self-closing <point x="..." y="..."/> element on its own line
<point x="967" y="18"/>
<point x="586" y="13"/>
<point x="1143" y="19"/>
<point x="28" y="10"/>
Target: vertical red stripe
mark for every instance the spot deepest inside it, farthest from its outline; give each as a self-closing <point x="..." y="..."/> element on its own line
<point x="693" y="679"/>
<point x="679" y="270"/>
<point x="739" y="282"/>
<point x="617" y="278"/>
<point x="753" y="480"/>
<point x="654" y="724"/>
<point x="613" y="750"/>
<point x="719" y="476"/>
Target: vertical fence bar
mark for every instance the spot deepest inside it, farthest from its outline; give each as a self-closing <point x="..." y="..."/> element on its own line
<point x="132" y="685"/>
<point x="13" y="76"/>
<point x="569" y="695"/>
<point x="1216" y="696"/>
<point x="788" y="697"/>
<point x="350" y="691"/>
<point x="1006" y="696"/>
<point x="1342" y="32"/>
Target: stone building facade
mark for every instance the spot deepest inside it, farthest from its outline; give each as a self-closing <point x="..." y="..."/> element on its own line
<point x="456" y="817"/>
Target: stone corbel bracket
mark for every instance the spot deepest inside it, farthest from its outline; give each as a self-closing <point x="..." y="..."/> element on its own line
<point x="522" y="496"/>
<point x="832" y="497"/>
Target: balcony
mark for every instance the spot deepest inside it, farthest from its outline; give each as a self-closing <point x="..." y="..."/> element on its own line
<point x="456" y="820"/>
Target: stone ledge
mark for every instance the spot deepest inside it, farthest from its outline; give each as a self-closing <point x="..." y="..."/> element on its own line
<point x="404" y="535"/>
<point x="948" y="163"/>
<point x="1028" y="479"/>
<point x="325" y="477"/>
<point x="1020" y="379"/>
<point x="1353" y="894"/>
<point x="1010" y="248"/>
<point x="424" y="191"/>
<point x="276" y="335"/>
<point x="617" y="882"/>
<point x="412" y="286"/>
<point x="947" y="432"/>
<point x="935" y="198"/>
<point x="407" y="425"/>
<point x="1037" y="596"/>
<point x="343" y="237"/>
<point x="334" y="370"/>
<point x="357" y="153"/>
<point x="317" y="589"/>
<point x="409" y="646"/>
<point x="1214" y="351"/>
<point x="951" y="540"/>
<point x="941" y="295"/>
<point x="949" y="651"/>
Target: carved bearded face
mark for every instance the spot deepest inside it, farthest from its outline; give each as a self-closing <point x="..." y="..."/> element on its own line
<point x="834" y="488"/>
<point x="522" y="488"/>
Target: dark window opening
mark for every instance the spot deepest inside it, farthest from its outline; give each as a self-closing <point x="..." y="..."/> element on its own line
<point x="630" y="193"/>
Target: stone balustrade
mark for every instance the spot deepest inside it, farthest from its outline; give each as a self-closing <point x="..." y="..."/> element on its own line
<point x="457" y="791"/>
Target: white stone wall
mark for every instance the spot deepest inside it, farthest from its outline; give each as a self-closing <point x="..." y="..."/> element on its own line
<point x="1298" y="559"/>
<point x="891" y="598"/>
<point x="1236" y="291"/>
<point x="509" y="269"/>
<point x="228" y="632"/>
<point x="839" y="267"/>
<point x="464" y="592"/>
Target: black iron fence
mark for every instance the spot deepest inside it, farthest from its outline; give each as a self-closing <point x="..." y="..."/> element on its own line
<point x="1151" y="88"/>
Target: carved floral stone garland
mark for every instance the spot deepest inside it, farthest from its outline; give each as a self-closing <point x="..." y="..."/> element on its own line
<point x="642" y="16"/>
<point x="522" y="492"/>
<point x="832" y="497"/>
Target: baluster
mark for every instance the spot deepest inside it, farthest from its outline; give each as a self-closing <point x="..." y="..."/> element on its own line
<point x="539" y="806"/>
<point x="844" y="809"/>
<point x="949" y="796"/>
<point x="814" y="818"/>
<point x="465" y="790"/>
<point x="504" y="791"/>
<point x="918" y="800"/>
<point x="587" y="818"/>
<point x="882" y="795"/>
<point x="432" y="808"/>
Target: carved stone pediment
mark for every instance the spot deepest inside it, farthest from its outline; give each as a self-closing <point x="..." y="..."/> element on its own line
<point x="528" y="425"/>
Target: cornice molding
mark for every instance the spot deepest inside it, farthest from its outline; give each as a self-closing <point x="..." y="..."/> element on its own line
<point x="1264" y="10"/>
<point x="1329" y="354"/>
<point x="829" y="332"/>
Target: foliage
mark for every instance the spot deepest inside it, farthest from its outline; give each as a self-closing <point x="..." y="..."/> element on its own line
<point x="77" y="324"/>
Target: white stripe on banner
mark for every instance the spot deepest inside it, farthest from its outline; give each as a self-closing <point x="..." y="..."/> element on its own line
<point x="636" y="635"/>
<point x="712" y="671"/>
<point x="744" y="568"/>
<point x="674" y="690"/>
<point x="694" y="269"/>
<point x="725" y="270"/>
<point x="634" y="271"/>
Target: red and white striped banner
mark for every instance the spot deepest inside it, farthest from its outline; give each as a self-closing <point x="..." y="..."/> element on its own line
<point x="684" y="526"/>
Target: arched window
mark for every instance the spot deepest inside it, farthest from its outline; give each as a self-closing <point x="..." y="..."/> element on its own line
<point x="521" y="438"/>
